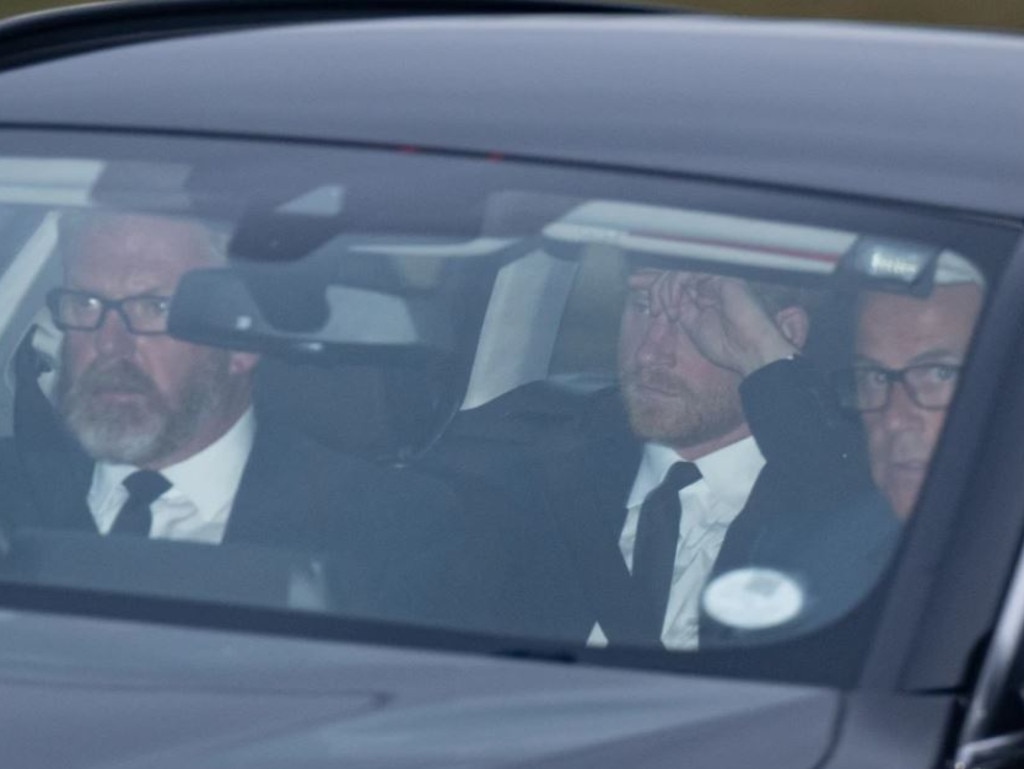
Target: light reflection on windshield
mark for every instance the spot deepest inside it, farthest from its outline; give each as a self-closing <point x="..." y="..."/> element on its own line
<point x="526" y="408"/>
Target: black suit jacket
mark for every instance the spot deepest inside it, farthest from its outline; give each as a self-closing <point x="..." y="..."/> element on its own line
<point x="399" y="546"/>
<point x="813" y="515"/>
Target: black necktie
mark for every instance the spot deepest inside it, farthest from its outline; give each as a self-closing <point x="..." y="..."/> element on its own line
<point x="654" y="554"/>
<point x="136" y="517"/>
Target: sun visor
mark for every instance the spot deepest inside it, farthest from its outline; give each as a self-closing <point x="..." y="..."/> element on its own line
<point x="703" y="239"/>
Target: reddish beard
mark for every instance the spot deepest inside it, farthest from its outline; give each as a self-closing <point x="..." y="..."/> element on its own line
<point x="667" y="409"/>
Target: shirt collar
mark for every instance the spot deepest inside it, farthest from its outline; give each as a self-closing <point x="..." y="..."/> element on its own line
<point x="209" y="479"/>
<point x="729" y="473"/>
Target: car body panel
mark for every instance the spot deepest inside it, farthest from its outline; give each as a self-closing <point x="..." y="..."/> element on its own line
<point x="912" y="117"/>
<point x="131" y="694"/>
<point x="851" y="109"/>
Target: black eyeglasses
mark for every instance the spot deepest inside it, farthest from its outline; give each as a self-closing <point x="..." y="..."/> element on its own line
<point x="81" y="311"/>
<point x="867" y="388"/>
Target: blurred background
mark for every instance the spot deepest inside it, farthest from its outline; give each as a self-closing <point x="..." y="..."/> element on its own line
<point x="14" y="7"/>
<point x="992" y="14"/>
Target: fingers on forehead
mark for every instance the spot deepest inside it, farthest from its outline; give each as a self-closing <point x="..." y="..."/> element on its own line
<point x="674" y="289"/>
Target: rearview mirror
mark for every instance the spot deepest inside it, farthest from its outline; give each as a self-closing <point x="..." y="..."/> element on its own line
<point x="286" y="310"/>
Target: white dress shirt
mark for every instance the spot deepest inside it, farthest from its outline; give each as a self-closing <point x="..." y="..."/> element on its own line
<point x="709" y="506"/>
<point x="203" y="487"/>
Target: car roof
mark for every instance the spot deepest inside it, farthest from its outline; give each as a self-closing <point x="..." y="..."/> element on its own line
<point x="919" y="116"/>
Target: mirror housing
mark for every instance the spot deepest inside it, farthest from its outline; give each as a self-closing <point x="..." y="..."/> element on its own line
<point x="289" y="311"/>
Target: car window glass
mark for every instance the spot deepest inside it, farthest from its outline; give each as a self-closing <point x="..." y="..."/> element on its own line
<point x="450" y="392"/>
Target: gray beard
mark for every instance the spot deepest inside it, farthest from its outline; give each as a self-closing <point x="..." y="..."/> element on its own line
<point x="688" y="418"/>
<point x="143" y="430"/>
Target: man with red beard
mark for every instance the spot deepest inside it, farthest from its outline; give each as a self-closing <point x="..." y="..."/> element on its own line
<point x="687" y="342"/>
<point x="718" y="455"/>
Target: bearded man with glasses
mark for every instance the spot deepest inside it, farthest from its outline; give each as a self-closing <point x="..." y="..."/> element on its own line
<point x="160" y="439"/>
<point x="131" y="394"/>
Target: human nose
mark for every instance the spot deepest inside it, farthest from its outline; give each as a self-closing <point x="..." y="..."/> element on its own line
<point x="657" y="347"/>
<point x="901" y="413"/>
<point x="113" y="338"/>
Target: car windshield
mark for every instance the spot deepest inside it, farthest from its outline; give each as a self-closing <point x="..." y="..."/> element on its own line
<point x="526" y="405"/>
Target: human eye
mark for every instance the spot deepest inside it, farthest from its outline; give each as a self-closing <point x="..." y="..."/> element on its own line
<point x="870" y="377"/>
<point x="81" y="300"/>
<point x="77" y="307"/>
<point x="937" y="374"/>
<point x="150" y="306"/>
<point x="148" y="313"/>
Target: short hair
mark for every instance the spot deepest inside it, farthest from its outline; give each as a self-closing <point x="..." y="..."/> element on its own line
<point x="775" y="297"/>
<point x="73" y="224"/>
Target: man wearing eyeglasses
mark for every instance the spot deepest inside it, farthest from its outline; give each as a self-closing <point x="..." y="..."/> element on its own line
<point x="138" y="399"/>
<point x="712" y="384"/>
<point x="132" y="395"/>
<point x="170" y="446"/>
<point x="909" y="352"/>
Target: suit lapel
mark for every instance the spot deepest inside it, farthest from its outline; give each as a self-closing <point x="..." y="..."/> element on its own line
<point x="589" y="487"/>
<point x="272" y="506"/>
<point x="59" y="481"/>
